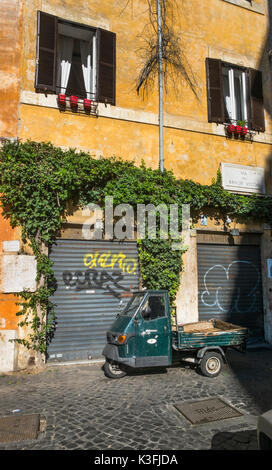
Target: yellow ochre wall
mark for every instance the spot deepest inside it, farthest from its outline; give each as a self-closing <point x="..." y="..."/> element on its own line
<point x="193" y="147"/>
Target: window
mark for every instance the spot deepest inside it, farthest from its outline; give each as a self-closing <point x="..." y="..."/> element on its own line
<point x="75" y="59"/>
<point x="154" y="307"/>
<point x="234" y="94"/>
<point x="133" y="305"/>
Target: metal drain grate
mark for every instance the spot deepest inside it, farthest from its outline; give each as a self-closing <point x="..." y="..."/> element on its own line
<point x="208" y="410"/>
<point x="19" y="428"/>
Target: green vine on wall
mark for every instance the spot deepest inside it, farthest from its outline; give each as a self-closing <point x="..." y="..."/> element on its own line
<point x="42" y="184"/>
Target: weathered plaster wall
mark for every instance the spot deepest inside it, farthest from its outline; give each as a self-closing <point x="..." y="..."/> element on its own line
<point x="189" y="154"/>
<point x="10" y="61"/>
<point x="204" y="32"/>
<point x="193" y="147"/>
<point x="8" y="350"/>
<point x="187" y="296"/>
<point x="10" y="75"/>
<point x="133" y="132"/>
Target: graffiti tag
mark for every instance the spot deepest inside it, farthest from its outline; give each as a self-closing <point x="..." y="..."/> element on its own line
<point x="94" y="279"/>
<point x="109" y="260"/>
<point x="217" y="287"/>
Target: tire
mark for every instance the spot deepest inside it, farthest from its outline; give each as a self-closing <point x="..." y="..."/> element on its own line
<point x="211" y="364"/>
<point x="113" y="370"/>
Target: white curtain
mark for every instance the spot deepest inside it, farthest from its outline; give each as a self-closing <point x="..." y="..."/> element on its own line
<point x="86" y="60"/>
<point x="65" y="60"/>
<point x="227" y="98"/>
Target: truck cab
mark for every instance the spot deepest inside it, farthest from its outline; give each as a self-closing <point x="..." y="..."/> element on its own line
<point x="141" y="334"/>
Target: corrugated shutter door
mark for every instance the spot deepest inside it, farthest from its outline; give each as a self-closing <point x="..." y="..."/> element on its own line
<point x="229" y="285"/>
<point x="88" y="295"/>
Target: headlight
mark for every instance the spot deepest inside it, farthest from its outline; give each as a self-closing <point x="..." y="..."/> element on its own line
<point x="121" y="339"/>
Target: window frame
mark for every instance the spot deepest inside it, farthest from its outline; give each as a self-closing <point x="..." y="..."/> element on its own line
<point x="105" y="83"/>
<point x="215" y="96"/>
<point x="91" y="29"/>
<point x="146" y="300"/>
<point x="231" y="69"/>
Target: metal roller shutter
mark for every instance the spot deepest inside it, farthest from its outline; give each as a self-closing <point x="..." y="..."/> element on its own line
<point x="230" y="285"/>
<point x="88" y="294"/>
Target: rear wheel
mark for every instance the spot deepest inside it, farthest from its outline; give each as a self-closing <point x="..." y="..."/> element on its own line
<point x="113" y="370"/>
<point x="211" y="364"/>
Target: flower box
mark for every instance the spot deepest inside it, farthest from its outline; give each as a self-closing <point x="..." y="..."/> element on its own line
<point x="62" y="99"/>
<point x="87" y="104"/>
<point x="73" y="101"/>
<point x="238" y="130"/>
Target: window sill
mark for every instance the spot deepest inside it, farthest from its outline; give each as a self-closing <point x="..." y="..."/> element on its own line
<point x="253" y="6"/>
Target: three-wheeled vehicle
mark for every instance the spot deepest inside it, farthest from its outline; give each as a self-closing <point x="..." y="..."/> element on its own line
<point x="143" y="335"/>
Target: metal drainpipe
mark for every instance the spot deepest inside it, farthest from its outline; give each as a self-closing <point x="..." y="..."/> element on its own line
<point x="161" y="156"/>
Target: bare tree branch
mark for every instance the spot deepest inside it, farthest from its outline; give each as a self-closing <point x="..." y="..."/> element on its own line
<point x="175" y="64"/>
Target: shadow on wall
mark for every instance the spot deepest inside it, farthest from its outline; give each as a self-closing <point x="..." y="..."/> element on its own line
<point x="253" y="369"/>
<point x="265" y="65"/>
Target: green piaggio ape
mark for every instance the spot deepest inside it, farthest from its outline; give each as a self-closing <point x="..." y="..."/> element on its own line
<point x="144" y="335"/>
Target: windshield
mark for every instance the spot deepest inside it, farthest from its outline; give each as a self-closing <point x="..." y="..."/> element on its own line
<point x="133" y="304"/>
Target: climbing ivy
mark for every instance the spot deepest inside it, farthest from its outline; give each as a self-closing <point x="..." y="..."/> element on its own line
<point x="42" y="184"/>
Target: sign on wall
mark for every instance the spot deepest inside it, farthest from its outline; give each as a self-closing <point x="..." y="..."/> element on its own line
<point x="242" y="178"/>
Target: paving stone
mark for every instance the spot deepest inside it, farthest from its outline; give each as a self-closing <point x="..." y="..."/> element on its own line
<point x="85" y="410"/>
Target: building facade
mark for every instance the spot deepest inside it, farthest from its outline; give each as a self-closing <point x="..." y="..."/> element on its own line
<point x="52" y="50"/>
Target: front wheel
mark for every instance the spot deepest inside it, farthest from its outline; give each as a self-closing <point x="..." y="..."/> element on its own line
<point x="113" y="370"/>
<point x="211" y="364"/>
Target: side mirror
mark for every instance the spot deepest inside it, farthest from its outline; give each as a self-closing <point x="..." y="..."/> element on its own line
<point x="146" y="312"/>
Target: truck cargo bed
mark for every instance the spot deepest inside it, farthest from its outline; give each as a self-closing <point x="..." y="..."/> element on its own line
<point x="208" y="333"/>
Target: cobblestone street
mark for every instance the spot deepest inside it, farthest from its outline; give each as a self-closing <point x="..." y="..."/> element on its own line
<point x="82" y="409"/>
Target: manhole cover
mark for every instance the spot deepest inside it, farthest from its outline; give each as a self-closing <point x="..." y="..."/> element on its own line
<point x="19" y="428"/>
<point x="208" y="410"/>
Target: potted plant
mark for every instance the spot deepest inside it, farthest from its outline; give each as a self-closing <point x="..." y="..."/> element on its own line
<point x="62" y="99"/>
<point x="241" y="128"/>
<point x="87" y="104"/>
<point x="73" y="101"/>
<point x="231" y="128"/>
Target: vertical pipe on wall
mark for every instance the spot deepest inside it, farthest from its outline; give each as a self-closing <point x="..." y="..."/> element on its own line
<point x="161" y="156"/>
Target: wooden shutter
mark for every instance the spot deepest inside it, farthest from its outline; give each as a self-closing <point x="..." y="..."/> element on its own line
<point x="215" y="91"/>
<point x="46" y="52"/>
<point x="256" y="100"/>
<point x="106" y="66"/>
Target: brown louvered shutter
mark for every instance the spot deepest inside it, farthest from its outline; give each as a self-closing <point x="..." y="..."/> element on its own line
<point x="214" y="90"/>
<point x="106" y="66"/>
<point x="256" y="100"/>
<point x="46" y="52"/>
